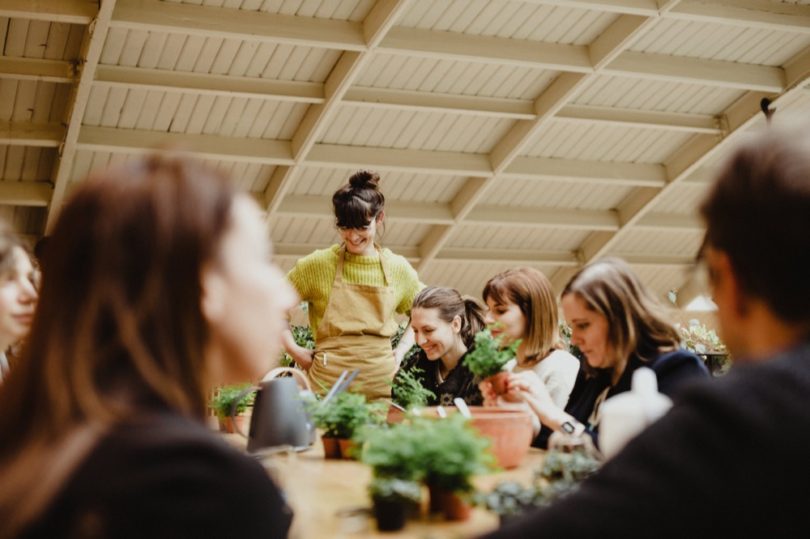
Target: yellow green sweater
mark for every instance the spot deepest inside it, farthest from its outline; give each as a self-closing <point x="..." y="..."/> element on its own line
<point x="313" y="276"/>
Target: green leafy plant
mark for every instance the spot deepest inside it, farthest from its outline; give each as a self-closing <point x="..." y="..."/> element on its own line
<point x="561" y="474"/>
<point x="453" y="452"/>
<point x="345" y="414"/>
<point x="303" y="337"/>
<point x="407" y="389"/>
<point x="395" y="451"/>
<point x="224" y="397"/>
<point x="395" y="490"/>
<point x="488" y="357"/>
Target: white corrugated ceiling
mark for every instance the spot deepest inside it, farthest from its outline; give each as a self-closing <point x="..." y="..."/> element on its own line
<point x="506" y="132"/>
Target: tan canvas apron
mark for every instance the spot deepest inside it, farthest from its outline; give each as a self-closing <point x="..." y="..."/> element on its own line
<point x="355" y="333"/>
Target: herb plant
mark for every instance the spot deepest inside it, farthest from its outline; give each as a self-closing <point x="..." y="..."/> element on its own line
<point x="345" y="414"/>
<point x="224" y="397"/>
<point x="407" y="389"/>
<point x="488" y="357"/>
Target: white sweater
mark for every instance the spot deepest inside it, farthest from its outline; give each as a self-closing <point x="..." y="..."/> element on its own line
<point x="558" y="372"/>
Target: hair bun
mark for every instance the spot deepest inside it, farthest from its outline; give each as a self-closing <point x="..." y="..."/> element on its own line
<point x="364" y="179"/>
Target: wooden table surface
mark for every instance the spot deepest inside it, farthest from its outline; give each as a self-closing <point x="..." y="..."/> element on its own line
<point x="329" y="498"/>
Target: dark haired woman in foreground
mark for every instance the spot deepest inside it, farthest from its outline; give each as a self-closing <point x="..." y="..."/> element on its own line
<point x="158" y="285"/>
<point x="353" y="292"/>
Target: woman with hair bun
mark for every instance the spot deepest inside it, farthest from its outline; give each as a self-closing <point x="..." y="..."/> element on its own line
<point x="353" y="291"/>
<point x="444" y="324"/>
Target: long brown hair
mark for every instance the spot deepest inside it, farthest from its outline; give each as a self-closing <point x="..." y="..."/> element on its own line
<point x="119" y="326"/>
<point x="638" y="324"/>
<point x="532" y="292"/>
<point x="450" y="303"/>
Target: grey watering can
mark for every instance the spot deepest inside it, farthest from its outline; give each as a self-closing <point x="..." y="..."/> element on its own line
<point x="279" y="415"/>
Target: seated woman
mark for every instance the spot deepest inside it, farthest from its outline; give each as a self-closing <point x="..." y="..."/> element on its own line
<point x="522" y="306"/>
<point x="444" y="325"/>
<point x="18" y="295"/>
<point x="618" y="326"/>
<point x="157" y="286"/>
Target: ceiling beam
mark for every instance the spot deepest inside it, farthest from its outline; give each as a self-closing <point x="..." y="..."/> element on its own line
<point x="36" y="69"/>
<point x="696" y="70"/>
<point x="437" y="213"/>
<point x="376" y="25"/>
<point x="25" y="193"/>
<point x="94" y="38"/>
<point x="245" y="150"/>
<point x="418" y="161"/>
<point x="780" y="17"/>
<point x="251" y="25"/>
<point x="670" y="121"/>
<point x="31" y="134"/>
<point x="647" y="8"/>
<point x="615" y="39"/>
<point x="65" y="11"/>
<point x="457" y="46"/>
<point x="741" y="115"/>
<point x="165" y="80"/>
<point x="279" y="153"/>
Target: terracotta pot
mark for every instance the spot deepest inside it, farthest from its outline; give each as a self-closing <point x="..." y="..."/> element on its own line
<point x="509" y="431"/>
<point x="451" y="504"/>
<point x="498" y="382"/>
<point x="227" y="424"/>
<point x="331" y="448"/>
<point x="346" y="448"/>
<point x="395" y="415"/>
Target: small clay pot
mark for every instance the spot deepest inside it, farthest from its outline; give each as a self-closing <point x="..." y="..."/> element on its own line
<point x="331" y="448"/>
<point x="498" y="382"/>
<point x="452" y="505"/>
<point x="347" y="447"/>
<point x="230" y="425"/>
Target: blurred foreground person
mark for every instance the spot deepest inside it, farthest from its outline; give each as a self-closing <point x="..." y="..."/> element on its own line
<point x="158" y="285"/>
<point x="730" y="458"/>
<point x="18" y="295"/>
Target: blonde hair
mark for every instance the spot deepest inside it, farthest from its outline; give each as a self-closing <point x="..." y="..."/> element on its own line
<point x="637" y="322"/>
<point x="532" y="292"/>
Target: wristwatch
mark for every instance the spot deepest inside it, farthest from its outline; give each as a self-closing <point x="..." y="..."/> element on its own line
<point x="574" y="429"/>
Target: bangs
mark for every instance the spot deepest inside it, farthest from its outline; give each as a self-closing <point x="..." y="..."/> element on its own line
<point x="353" y="213"/>
<point x="498" y="292"/>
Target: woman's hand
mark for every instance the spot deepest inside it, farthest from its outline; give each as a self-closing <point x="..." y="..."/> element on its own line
<point x="302" y="356"/>
<point x="490" y="398"/>
<point x="527" y="384"/>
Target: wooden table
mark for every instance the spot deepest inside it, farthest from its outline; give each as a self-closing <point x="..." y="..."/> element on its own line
<point x="328" y="497"/>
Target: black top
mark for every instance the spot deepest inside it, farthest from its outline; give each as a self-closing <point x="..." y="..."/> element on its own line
<point x="728" y="460"/>
<point x="165" y="476"/>
<point x="460" y="382"/>
<point x="671" y="369"/>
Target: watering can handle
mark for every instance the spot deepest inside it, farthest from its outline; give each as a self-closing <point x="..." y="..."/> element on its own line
<point x="236" y="402"/>
<point x="300" y="376"/>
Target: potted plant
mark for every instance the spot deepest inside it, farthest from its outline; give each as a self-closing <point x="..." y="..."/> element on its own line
<point x="510" y="499"/>
<point x="488" y="359"/>
<point x="340" y="418"/>
<point x="393" y="499"/>
<point x="223" y="402"/>
<point x="699" y="339"/>
<point x="561" y="474"/>
<point x="407" y="390"/>
<point x="452" y="452"/>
